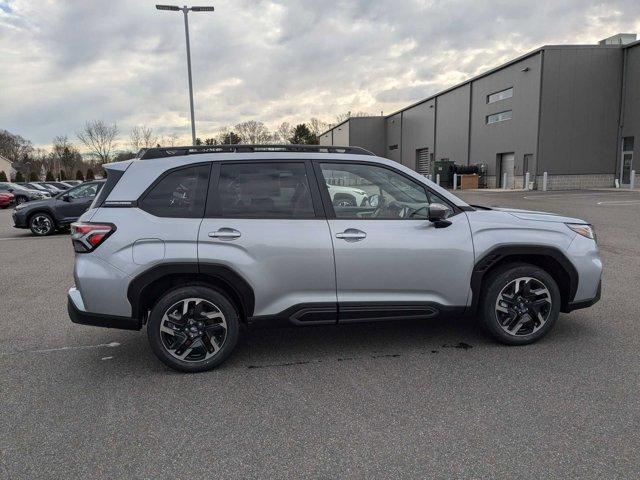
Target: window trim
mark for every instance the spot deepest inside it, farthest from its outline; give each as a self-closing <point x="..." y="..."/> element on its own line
<point x="166" y="173"/>
<point x="487" y="122"/>
<point x="326" y="197"/>
<point x="213" y="205"/>
<point x="489" y="102"/>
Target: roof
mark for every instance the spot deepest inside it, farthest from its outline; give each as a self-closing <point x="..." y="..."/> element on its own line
<point x="6" y="159"/>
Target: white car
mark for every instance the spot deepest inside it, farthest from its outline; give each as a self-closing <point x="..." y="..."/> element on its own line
<point x="347" y="196"/>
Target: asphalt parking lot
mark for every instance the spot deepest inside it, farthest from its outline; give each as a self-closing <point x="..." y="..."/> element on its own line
<point x="430" y="399"/>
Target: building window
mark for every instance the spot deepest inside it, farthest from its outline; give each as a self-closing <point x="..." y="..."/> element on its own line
<point x="501" y="95"/>
<point x="499" y="117"/>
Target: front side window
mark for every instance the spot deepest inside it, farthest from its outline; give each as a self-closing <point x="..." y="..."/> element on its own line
<point x="362" y="191"/>
<point x="84" y="191"/>
<point x="179" y="194"/>
<point x="265" y="190"/>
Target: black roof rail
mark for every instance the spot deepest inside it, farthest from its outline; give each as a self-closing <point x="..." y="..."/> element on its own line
<point x="163" y="152"/>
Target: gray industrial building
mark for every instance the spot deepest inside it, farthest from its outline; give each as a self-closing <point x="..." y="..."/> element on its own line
<point x="572" y="111"/>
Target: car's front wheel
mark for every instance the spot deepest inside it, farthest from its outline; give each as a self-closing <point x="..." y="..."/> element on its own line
<point x="521" y="303"/>
<point x="193" y="329"/>
<point x="42" y="224"/>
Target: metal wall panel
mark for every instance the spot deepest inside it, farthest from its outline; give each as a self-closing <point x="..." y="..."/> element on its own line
<point x="369" y="133"/>
<point x="393" y="137"/>
<point x="631" y="121"/>
<point x="452" y="125"/>
<point x="581" y="90"/>
<point x="418" y="125"/>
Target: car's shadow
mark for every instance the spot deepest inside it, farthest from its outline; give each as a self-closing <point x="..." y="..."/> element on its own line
<point x="290" y="346"/>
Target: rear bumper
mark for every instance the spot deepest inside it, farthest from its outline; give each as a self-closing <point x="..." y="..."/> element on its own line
<point x="77" y="314"/>
<point x="585" y="303"/>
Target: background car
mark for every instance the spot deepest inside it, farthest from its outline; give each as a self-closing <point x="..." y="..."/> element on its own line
<point x="58" y="185"/>
<point x="34" y="186"/>
<point x="49" y="188"/>
<point x="23" y="194"/>
<point x="72" y="183"/>
<point x="347" y="196"/>
<point x="47" y="216"/>
<point x="6" y="199"/>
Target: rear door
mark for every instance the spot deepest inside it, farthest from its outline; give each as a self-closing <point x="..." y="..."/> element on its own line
<point x="390" y="261"/>
<point x="265" y="221"/>
<point x="79" y="200"/>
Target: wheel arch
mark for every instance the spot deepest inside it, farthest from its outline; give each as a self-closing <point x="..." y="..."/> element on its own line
<point x="550" y="259"/>
<point x="146" y="288"/>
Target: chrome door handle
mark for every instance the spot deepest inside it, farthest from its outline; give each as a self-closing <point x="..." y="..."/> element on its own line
<point x="225" y="234"/>
<point x="351" y="234"/>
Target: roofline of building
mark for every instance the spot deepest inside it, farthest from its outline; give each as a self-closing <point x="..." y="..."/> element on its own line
<point x="492" y="71"/>
<point x="347" y="120"/>
<point x="6" y="159"/>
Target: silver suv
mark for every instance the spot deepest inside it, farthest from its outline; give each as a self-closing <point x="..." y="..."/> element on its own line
<point x="196" y="242"/>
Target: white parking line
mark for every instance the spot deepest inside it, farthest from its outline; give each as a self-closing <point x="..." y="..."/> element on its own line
<point x="579" y="195"/>
<point x="620" y="202"/>
<point x="60" y="349"/>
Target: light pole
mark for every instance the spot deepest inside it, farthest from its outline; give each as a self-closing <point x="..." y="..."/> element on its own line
<point x="185" y="10"/>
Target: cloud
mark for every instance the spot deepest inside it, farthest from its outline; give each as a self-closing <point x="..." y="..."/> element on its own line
<point x="122" y="61"/>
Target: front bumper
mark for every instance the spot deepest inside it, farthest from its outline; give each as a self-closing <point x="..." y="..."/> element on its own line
<point x="77" y="314"/>
<point x="19" y="220"/>
<point x="585" y="303"/>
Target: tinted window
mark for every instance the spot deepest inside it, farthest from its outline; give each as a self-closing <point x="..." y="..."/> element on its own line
<point x="84" y="191"/>
<point x="181" y="193"/>
<point x="369" y="192"/>
<point x="264" y="190"/>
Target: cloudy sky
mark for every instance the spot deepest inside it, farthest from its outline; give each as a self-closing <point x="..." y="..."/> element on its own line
<point x="68" y="61"/>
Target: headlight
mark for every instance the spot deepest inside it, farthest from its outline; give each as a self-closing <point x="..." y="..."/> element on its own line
<point x="582" y="229"/>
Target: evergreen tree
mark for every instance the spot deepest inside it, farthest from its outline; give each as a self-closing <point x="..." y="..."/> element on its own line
<point x="3" y="176"/>
<point x="33" y="177"/>
<point x="303" y="136"/>
<point x="49" y="177"/>
<point x="90" y="175"/>
<point x="63" y="176"/>
<point x="19" y="177"/>
<point x="79" y="175"/>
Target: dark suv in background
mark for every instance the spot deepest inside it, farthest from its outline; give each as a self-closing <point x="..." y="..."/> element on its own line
<point x="44" y="217"/>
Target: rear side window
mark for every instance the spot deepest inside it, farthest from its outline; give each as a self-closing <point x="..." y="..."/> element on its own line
<point x="179" y="194"/>
<point x="264" y="190"/>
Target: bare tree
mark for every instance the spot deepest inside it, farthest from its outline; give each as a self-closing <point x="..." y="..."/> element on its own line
<point x="317" y="126"/>
<point x="100" y="139"/>
<point x="343" y="116"/>
<point x="253" y="132"/>
<point x="142" y="137"/>
<point x="283" y="133"/>
<point x="65" y="157"/>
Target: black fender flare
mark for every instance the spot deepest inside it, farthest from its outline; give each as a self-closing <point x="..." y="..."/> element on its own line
<point x="202" y="272"/>
<point x="500" y="252"/>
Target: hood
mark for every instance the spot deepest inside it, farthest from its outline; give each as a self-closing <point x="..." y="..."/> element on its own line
<point x="535" y="215"/>
<point x="34" y="204"/>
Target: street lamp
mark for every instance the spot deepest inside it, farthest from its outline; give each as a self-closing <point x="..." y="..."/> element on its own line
<point x="185" y="10"/>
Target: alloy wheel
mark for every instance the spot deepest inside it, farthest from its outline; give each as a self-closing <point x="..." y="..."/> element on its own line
<point x="41" y="224"/>
<point x="523" y="306"/>
<point x="193" y="330"/>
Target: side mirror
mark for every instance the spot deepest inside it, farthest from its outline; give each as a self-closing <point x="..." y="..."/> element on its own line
<point x="438" y="214"/>
<point x="66" y="197"/>
<point x="374" y="200"/>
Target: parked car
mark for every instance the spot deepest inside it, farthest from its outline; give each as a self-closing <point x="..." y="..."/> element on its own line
<point x="193" y="244"/>
<point x="6" y="199"/>
<point x="23" y="194"/>
<point x="49" y="188"/>
<point x="58" y="185"/>
<point x="347" y="196"/>
<point x="34" y="186"/>
<point x="44" y="217"/>
<point x="72" y="183"/>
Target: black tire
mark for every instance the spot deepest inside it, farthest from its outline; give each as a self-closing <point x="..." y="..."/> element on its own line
<point x="21" y="199"/>
<point x="42" y="224"/>
<point x="530" y="331"/>
<point x="159" y="340"/>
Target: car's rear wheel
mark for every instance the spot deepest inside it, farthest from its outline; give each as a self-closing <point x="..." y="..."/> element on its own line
<point x="521" y="304"/>
<point x="42" y="224"/>
<point x="344" y="200"/>
<point x="193" y="329"/>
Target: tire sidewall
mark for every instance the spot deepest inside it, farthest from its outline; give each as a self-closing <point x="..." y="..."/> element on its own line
<point x="49" y="232"/>
<point x="216" y="297"/>
<point x="497" y="282"/>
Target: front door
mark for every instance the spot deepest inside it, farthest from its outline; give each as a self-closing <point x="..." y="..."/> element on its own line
<point x="390" y="261"/>
<point x="506" y="164"/>
<point x="263" y="222"/>
<point x="76" y="201"/>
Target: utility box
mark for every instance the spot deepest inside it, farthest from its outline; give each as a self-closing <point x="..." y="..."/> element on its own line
<point x="469" y="181"/>
<point x="446" y="169"/>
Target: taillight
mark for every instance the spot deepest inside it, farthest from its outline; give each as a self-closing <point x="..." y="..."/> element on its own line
<point x="86" y="237"/>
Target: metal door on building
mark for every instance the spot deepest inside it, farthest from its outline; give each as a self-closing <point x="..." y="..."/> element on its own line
<point x="506" y="164"/>
<point x="423" y="162"/>
<point x="627" y="160"/>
